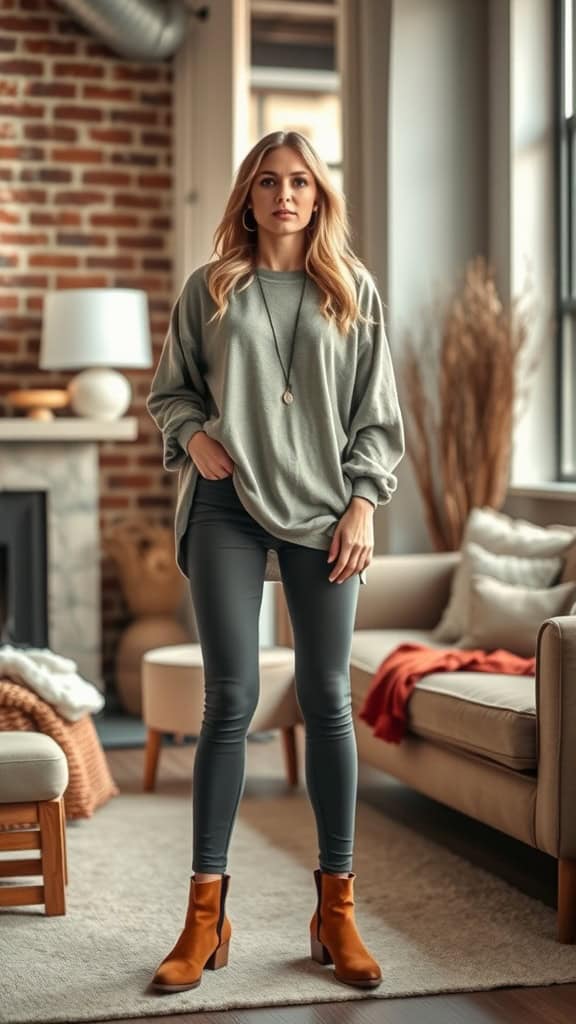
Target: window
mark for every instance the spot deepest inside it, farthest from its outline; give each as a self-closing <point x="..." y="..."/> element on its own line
<point x="294" y="84"/>
<point x="566" y="235"/>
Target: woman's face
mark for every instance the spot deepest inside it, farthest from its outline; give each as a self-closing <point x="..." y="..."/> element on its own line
<point x="283" y="182"/>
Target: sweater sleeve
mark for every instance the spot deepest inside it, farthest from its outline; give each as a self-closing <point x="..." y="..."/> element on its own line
<point x="376" y="442"/>
<point x="177" y="397"/>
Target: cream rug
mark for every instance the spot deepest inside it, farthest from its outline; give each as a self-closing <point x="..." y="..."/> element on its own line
<point x="434" y="922"/>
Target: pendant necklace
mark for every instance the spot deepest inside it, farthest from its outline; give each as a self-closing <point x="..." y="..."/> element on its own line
<point x="287" y="396"/>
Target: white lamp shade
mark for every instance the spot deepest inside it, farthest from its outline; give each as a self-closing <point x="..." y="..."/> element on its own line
<point x="95" y="327"/>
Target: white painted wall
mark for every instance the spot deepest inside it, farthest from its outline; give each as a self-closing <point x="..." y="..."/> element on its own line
<point x="437" y="165"/>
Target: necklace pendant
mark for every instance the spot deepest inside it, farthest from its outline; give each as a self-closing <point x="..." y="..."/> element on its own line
<point x="287" y="397"/>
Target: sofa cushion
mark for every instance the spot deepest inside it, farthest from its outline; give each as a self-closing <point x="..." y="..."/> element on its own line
<point x="489" y="715"/>
<point x="508" y="615"/>
<point x="503" y="535"/>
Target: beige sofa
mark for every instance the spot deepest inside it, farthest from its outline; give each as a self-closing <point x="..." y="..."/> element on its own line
<point x="500" y="749"/>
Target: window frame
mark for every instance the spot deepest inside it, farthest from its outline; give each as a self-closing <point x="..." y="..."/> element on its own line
<point x="565" y="243"/>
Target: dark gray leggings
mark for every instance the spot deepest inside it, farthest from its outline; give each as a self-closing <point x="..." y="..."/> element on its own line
<point x="226" y="556"/>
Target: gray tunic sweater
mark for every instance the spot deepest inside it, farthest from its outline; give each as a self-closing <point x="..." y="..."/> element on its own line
<point x="296" y="466"/>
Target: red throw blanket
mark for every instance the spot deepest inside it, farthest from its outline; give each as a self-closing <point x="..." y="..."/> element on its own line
<point x="385" y="704"/>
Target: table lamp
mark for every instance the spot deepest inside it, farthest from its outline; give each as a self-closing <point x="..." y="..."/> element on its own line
<point x="96" y="328"/>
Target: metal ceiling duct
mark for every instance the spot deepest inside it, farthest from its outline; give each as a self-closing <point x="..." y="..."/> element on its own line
<point x="139" y="29"/>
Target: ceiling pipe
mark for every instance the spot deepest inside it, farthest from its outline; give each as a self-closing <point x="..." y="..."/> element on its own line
<point x="138" y="29"/>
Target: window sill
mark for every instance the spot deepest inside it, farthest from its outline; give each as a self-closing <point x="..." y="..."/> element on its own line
<point x="565" y="491"/>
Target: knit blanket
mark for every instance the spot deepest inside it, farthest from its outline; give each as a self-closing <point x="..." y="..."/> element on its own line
<point x="90" y="782"/>
<point x="385" y="705"/>
<point x="52" y="677"/>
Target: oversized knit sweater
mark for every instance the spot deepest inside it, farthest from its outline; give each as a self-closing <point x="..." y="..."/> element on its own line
<point x="297" y="466"/>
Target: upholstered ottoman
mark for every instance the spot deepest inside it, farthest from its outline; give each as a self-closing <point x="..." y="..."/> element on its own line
<point x="173" y="700"/>
<point x="33" y="779"/>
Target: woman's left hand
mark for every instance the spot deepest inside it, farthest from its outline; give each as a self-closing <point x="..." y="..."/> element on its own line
<point x="353" y="540"/>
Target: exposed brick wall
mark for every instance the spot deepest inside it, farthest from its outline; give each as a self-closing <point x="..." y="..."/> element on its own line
<point x="86" y="187"/>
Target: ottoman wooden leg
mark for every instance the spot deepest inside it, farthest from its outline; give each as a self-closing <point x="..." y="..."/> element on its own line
<point x="290" y="754"/>
<point x="153" y="746"/>
<point x="49" y="819"/>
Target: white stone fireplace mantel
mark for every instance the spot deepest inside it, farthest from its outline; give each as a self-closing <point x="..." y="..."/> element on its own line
<point x="68" y="428"/>
<point x="60" y="457"/>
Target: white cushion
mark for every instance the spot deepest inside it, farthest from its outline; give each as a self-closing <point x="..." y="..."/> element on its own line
<point x="508" y="615"/>
<point x="498" y="533"/>
<point x="33" y="767"/>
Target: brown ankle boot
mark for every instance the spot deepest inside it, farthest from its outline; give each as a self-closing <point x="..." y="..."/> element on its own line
<point x="203" y="942"/>
<point x="334" y="938"/>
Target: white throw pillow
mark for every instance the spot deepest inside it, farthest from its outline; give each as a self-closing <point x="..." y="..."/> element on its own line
<point x="529" y="572"/>
<point x="500" y="534"/>
<point x="508" y="616"/>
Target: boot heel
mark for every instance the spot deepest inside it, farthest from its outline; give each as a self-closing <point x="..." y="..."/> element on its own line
<point x="319" y="952"/>
<point x="219" y="957"/>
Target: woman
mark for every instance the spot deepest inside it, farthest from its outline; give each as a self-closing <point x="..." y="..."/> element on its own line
<point x="276" y="399"/>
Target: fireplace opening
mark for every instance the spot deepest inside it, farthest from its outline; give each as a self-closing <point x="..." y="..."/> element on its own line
<point x="23" y="569"/>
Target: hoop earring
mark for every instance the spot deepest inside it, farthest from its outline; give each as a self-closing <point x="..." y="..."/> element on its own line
<point x="244" y="222"/>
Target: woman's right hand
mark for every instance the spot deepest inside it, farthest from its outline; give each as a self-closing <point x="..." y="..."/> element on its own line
<point x="209" y="456"/>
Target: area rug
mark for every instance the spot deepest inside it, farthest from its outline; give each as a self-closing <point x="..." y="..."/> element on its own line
<point x="434" y="922"/>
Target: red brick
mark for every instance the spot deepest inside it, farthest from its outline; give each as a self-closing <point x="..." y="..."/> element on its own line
<point x="155" y="181"/>
<point x="21" y="67"/>
<point x="10" y="217"/>
<point x="60" y="132"/>
<point x="117" y="136"/>
<point x="114" y="501"/>
<point x="9" y="23"/>
<point x="155" y="139"/>
<point x="109" y="262"/>
<point x="51" y="259"/>
<point x="21" y="110"/>
<point x="140" y="241"/>
<point x="156" y="98"/>
<point x="160" y="223"/>
<point x="131" y="480"/>
<point x="102" y="92"/>
<point x="64" y="218"/>
<point x="81" y="238"/>
<point x="134" y="158"/>
<point x="77" y="69"/>
<point x="72" y="113"/>
<point x="113" y="460"/>
<point x="52" y="174"/>
<point x="77" y="156"/>
<point x="52" y="46"/>
<point x="115" y="178"/>
<point x="150" y="501"/>
<point x="136" y="73"/>
<point x="146" y="284"/>
<point x="58" y="89"/>
<point x="79" y="198"/>
<point x="114" y="220"/>
<point x="82" y="281"/>
<point x="21" y="153"/>
<point x="22" y="238"/>
<point x="134" y="116"/>
<point x="135" y="199"/>
<point x="23" y="281"/>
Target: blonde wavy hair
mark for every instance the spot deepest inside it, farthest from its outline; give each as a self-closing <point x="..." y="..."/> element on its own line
<point x="330" y="261"/>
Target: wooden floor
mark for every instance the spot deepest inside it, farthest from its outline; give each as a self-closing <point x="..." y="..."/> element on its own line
<point x="529" y="870"/>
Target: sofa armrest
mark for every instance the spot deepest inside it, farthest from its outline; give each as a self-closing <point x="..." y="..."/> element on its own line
<point x="555" y="812"/>
<point x="407" y="591"/>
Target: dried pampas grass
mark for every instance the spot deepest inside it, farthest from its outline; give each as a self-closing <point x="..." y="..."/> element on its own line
<point x="461" y="402"/>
